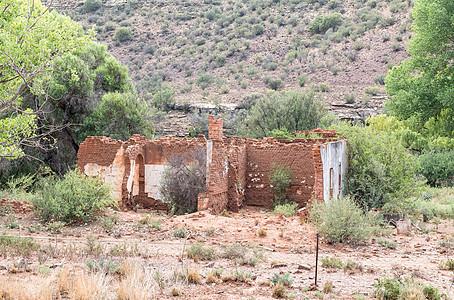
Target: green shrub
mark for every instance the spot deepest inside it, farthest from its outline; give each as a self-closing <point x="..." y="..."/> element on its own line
<point x="280" y="178"/>
<point x="105" y="266"/>
<point x="447" y="265"/>
<point x="233" y="251"/>
<point x="73" y="198"/>
<point x="199" y="251"/>
<point x="288" y="210"/>
<point x="403" y="288"/>
<point x="204" y="80"/>
<point x="332" y="262"/>
<point x="283" y="279"/>
<point x="302" y="79"/>
<point x="164" y="98"/>
<point x="321" y="24"/>
<point x="92" y="5"/>
<point x="437" y="167"/>
<point x="288" y="111"/>
<point x="349" y="98"/>
<point x="372" y="90"/>
<point x="380" y="79"/>
<point x="273" y="83"/>
<point x="109" y="27"/>
<point x="122" y="34"/>
<point x="380" y="169"/>
<point x="342" y="220"/>
<point x="387" y="243"/>
<point x="16" y="246"/>
<point x="179" y="233"/>
<point x="258" y="29"/>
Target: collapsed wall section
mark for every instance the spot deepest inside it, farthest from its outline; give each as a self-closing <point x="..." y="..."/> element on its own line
<point x="145" y="163"/>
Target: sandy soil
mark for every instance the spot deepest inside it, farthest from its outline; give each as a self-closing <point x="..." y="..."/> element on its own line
<point x="289" y="243"/>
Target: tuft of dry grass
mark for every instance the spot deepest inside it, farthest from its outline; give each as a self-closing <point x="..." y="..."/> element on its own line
<point x="89" y="286"/>
<point x="136" y="282"/>
<point x="63" y="281"/>
<point x="328" y="287"/>
<point x="37" y="289"/>
<point x="279" y="291"/>
<point x="261" y="232"/>
<point x="194" y="275"/>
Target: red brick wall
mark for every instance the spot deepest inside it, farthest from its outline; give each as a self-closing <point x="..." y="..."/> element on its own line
<point x="318" y="173"/>
<point x="261" y="155"/>
<point x="215" y="128"/>
<point x="238" y="172"/>
<point x="98" y="150"/>
<point x="155" y="152"/>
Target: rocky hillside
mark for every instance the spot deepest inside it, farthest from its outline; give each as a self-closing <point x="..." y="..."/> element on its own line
<point x="218" y="51"/>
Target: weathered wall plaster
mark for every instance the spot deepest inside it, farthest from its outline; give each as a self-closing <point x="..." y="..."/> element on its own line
<point x="334" y="160"/>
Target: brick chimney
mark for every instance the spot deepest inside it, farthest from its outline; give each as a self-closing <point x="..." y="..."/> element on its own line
<point x="215" y="128"/>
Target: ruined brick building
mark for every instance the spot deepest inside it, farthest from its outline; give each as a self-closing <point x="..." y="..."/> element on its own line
<point x="237" y="168"/>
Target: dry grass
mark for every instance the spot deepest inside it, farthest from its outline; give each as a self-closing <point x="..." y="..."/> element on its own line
<point x="36" y="289"/>
<point x="89" y="286"/>
<point x="64" y="281"/>
<point x="279" y="291"/>
<point x="194" y="275"/>
<point x="136" y="282"/>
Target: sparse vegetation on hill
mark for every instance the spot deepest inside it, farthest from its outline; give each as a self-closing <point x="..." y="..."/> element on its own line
<point x="239" y="44"/>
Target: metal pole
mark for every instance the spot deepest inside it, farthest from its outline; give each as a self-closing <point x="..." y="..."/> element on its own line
<point x="316" y="261"/>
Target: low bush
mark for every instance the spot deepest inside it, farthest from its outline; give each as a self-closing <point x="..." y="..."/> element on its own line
<point x="73" y="198"/>
<point x="179" y="233"/>
<point x="349" y="98"/>
<point x="16" y="246"/>
<point x="273" y="83"/>
<point x="233" y="251"/>
<point x="403" y="288"/>
<point x="204" y="80"/>
<point x="437" y="167"/>
<point x="282" y="279"/>
<point x="341" y="220"/>
<point x="302" y="79"/>
<point x="287" y="210"/>
<point x="122" y="34"/>
<point x="321" y="24"/>
<point x="92" y="5"/>
<point x="200" y="251"/>
<point x="280" y="178"/>
<point x="332" y="262"/>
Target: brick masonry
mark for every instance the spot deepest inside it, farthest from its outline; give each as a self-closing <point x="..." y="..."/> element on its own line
<point x="237" y="168"/>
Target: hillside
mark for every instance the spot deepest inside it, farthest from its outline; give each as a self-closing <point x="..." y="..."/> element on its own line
<point x="218" y="51"/>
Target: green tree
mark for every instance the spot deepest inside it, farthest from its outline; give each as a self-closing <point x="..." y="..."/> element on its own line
<point x="119" y="116"/>
<point x="288" y="111"/>
<point x="31" y="39"/>
<point x="381" y="172"/>
<point x="422" y="87"/>
<point x="75" y="87"/>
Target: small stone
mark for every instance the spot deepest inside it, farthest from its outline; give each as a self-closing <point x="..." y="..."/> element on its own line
<point x="304" y="267"/>
<point x="278" y="266"/>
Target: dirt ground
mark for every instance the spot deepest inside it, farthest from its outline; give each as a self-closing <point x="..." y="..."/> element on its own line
<point x="288" y="247"/>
